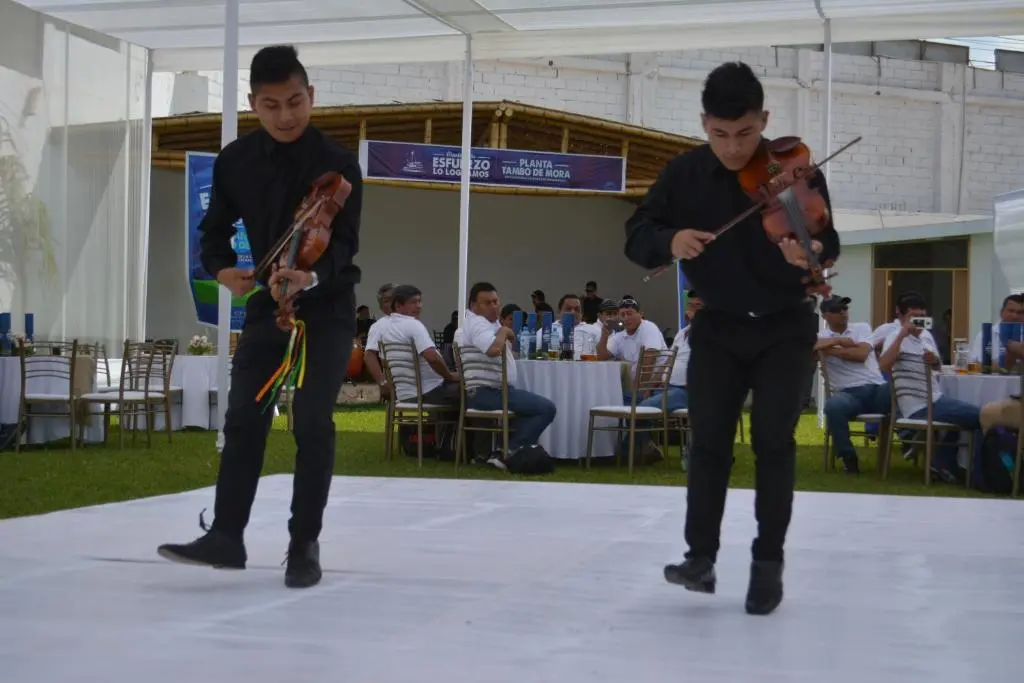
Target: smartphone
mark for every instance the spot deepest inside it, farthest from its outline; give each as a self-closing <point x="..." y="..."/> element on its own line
<point x="921" y="322"/>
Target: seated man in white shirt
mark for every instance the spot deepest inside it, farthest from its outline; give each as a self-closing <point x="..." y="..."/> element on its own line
<point x="1011" y="312"/>
<point x="482" y="329"/>
<point x="853" y="374"/>
<point x="438" y="383"/>
<point x="626" y="345"/>
<point x="590" y="333"/>
<point x="371" y="354"/>
<point x="883" y="331"/>
<point x="904" y="351"/>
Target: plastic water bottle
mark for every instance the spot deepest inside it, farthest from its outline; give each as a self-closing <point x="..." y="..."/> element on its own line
<point x="526" y="339"/>
<point x="545" y="327"/>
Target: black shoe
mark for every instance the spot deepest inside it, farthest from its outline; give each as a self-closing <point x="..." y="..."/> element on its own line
<point x="851" y="464"/>
<point x="303" y="562"/>
<point x="695" y="574"/>
<point x="215" y="549"/>
<point x="765" y="591"/>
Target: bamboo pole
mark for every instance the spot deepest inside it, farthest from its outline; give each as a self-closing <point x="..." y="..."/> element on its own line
<point x="428" y="131"/>
<point x="563" y="117"/>
<point x="350" y="111"/>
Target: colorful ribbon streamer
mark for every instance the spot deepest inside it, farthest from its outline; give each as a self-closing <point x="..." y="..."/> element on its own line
<point x="292" y="370"/>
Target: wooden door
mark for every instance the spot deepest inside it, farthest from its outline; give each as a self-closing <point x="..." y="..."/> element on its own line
<point x="881" y="310"/>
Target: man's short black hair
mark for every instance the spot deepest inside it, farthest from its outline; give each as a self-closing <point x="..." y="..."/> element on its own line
<point x="509" y="309"/>
<point x="1013" y="299"/>
<point x="566" y="297"/>
<point x="276" y="64"/>
<point x="403" y="294"/>
<point x="732" y="91"/>
<point x="479" y="288"/>
<point x="909" y="301"/>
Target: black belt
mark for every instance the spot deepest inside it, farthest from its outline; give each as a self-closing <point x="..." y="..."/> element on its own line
<point x="810" y="303"/>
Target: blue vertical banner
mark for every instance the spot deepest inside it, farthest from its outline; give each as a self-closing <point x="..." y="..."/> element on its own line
<point x="204" y="287"/>
<point x="682" y="297"/>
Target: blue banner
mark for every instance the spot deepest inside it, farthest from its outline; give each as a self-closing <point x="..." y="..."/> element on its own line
<point x="505" y="167"/>
<point x="205" y="289"/>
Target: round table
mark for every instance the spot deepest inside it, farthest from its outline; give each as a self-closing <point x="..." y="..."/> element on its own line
<point x="979" y="389"/>
<point x="574" y="387"/>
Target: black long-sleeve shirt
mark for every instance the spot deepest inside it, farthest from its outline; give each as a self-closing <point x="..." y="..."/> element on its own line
<point x="742" y="271"/>
<point x="262" y="182"/>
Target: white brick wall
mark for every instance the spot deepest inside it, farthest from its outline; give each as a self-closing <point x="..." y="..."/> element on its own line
<point x="909" y="113"/>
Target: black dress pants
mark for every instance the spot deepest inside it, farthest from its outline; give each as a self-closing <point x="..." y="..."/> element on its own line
<point x="732" y="355"/>
<point x="260" y="351"/>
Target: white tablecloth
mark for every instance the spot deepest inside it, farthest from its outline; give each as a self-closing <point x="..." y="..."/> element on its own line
<point x="42" y="429"/>
<point x="574" y="387"/>
<point x="979" y="389"/>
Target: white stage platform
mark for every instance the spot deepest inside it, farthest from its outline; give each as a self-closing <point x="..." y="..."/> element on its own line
<point x="486" y="582"/>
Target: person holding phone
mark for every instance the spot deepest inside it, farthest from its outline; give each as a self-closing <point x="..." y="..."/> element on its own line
<point x="903" y="353"/>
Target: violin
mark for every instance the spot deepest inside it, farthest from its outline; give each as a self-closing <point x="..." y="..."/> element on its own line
<point x="300" y="248"/>
<point x="777" y="180"/>
<point x="307" y="239"/>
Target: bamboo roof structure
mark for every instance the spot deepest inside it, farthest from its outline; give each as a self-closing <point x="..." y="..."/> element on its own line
<point x="502" y="125"/>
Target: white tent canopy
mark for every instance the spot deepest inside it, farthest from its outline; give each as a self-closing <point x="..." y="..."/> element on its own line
<point x="216" y="35"/>
<point x="189" y="34"/>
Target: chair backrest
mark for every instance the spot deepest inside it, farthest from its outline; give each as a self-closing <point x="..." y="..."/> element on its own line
<point x="400" y="362"/>
<point x="911" y="378"/>
<point x="137" y="359"/>
<point x="653" y="371"/>
<point x="477" y="370"/>
<point x="47" y="365"/>
<point x="164" y="352"/>
<point x="823" y="367"/>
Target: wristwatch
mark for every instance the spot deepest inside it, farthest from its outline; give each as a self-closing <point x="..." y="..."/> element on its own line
<point x="314" y="283"/>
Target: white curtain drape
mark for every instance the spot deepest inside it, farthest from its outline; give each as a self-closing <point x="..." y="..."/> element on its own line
<point x="74" y="178"/>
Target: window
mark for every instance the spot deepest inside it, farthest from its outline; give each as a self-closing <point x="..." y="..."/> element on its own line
<point x="951" y="253"/>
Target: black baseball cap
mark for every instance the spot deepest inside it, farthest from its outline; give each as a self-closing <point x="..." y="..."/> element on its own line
<point x="609" y="305"/>
<point x="834" y="304"/>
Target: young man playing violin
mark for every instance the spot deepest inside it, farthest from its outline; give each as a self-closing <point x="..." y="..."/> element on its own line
<point x="262" y="178"/>
<point x="756" y="332"/>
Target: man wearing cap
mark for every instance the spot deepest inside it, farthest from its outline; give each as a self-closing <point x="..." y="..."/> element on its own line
<point x="854" y="377"/>
<point x="590" y="333"/>
<point x="636" y="334"/>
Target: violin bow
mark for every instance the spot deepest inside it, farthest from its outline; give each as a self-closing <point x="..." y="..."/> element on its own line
<point x="756" y="207"/>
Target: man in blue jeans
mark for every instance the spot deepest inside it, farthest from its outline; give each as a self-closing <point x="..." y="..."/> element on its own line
<point x="907" y="350"/>
<point x="483" y="330"/>
<point x="677" y="396"/>
<point x="853" y="376"/>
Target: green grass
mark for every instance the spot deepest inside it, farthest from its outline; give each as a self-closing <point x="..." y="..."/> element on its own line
<point x="43" y="480"/>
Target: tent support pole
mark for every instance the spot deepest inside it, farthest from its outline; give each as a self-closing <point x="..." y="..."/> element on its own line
<point x="228" y="132"/>
<point x="826" y="147"/>
<point x="467" y="149"/>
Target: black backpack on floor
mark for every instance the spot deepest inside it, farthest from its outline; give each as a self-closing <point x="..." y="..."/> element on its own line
<point x="993" y="473"/>
<point x="530" y="460"/>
